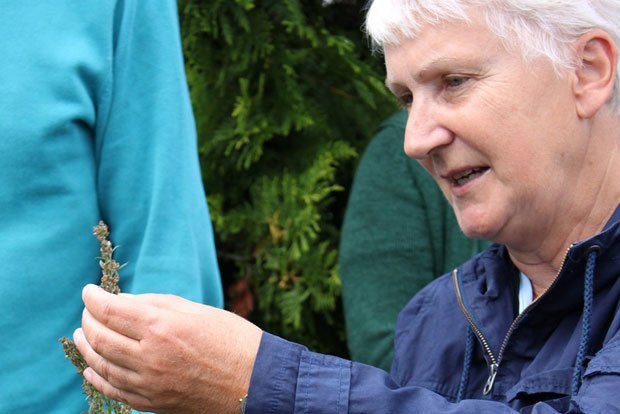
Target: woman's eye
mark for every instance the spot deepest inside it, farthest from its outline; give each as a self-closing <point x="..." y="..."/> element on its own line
<point x="405" y="100"/>
<point x="454" y="81"/>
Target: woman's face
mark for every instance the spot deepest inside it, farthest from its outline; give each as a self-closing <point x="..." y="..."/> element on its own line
<point x="501" y="137"/>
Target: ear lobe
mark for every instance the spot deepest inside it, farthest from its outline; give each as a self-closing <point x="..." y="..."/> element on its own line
<point x="594" y="78"/>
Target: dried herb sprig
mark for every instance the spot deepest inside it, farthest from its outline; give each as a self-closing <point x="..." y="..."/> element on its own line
<point x="97" y="402"/>
<point x="109" y="266"/>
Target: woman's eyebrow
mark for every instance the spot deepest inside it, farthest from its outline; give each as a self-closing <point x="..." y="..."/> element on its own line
<point x="433" y="65"/>
<point x="448" y="63"/>
<point x="427" y="67"/>
<point x="430" y="68"/>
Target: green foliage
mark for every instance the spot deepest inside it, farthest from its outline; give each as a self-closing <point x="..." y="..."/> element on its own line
<point x="285" y="96"/>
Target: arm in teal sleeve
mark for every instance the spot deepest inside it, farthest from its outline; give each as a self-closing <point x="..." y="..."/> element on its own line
<point x="386" y="253"/>
<point x="148" y="177"/>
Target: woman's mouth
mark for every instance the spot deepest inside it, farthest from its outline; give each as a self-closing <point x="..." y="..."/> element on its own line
<point x="465" y="176"/>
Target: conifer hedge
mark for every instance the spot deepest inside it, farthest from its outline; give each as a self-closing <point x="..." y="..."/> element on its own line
<point x="285" y="95"/>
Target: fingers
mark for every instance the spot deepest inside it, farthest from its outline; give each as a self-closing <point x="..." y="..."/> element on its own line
<point x="117" y="376"/>
<point x="105" y="387"/>
<point x="116" y="348"/>
<point x="119" y="313"/>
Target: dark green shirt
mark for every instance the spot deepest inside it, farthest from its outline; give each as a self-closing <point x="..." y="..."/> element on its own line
<point x="399" y="233"/>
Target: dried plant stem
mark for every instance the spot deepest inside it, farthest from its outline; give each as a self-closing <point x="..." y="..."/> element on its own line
<point x="97" y="402"/>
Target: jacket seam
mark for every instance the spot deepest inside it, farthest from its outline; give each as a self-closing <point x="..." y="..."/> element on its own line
<point x="598" y="368"/>
<point x="278" y="385"/>
<point x="306" y="394"/>
<point x="339" y="390"/>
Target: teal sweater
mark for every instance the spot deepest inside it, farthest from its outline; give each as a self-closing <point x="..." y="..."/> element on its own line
<point x="95" y="122"/>
<point x="399" y="233"/>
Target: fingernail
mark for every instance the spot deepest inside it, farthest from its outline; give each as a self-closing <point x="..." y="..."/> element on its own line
<point x="88" y="374"/>
<point x="87" y="289"/>
<point x="78" y="335"/>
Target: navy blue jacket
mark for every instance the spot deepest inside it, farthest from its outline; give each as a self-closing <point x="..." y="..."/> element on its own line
<point x="460" y="347"/>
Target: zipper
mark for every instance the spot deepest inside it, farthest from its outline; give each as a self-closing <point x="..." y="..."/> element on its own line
<point x="491" y="379"/>
<point x="485" y="344"/>
<point x="494" y="366"/>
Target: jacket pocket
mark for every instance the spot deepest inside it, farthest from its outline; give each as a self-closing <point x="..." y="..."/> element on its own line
<point x="601" y="382"/>
<point x="606" y="361"/>
<point x="550" y="386"/>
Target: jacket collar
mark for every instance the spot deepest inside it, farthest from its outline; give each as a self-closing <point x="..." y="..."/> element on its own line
<point x="487" y="283"/>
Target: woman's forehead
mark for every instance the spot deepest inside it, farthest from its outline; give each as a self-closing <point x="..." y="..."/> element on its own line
<point x="443" y="47"/>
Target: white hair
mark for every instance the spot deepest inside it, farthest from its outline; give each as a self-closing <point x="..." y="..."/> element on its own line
<point x="539" y="28"/>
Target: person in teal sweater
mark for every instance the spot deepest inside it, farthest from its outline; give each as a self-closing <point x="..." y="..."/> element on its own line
<point x="95" y="123"/>
<point x="398" y="234"/>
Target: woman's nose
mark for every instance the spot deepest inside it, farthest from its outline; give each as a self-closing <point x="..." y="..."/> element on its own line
<point x="424" y="132"/>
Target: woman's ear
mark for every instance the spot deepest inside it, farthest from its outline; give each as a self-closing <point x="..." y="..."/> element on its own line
<point x="594" y="77"/>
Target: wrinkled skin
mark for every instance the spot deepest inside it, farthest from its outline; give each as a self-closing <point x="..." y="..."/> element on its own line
<point x="524" y="136"/>
<point x="165" y="354"/>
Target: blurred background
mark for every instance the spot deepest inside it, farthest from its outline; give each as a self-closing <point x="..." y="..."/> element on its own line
<point x="286" y="95"/>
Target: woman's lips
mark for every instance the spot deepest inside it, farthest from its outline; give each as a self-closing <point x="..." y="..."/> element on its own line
<point x="462" y="180"/>
<point x="466" y="176"/>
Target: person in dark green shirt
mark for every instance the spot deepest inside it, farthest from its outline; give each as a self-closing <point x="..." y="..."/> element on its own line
<point x="399" y="233"/>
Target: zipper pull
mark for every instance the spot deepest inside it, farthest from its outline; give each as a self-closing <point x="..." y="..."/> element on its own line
<point x="491" y="380"/>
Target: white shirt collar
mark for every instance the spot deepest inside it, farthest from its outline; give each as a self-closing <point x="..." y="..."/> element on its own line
<point x="526" y="295"/>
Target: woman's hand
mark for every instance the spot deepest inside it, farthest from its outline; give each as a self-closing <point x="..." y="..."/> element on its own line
<point x="165" y="354"/>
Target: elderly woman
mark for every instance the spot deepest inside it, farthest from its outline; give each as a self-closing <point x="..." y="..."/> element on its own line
<point x="513" y="109"/>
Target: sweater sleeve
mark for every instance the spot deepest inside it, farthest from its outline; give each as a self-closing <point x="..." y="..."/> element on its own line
<point x="386" y="250"/>
<point x="148" y="178"/>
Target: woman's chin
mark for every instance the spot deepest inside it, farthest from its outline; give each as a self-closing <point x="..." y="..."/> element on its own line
<point x="478" y="227"/>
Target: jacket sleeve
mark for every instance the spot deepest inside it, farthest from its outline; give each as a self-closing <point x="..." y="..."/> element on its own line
<point x="148" y="177"/>
<point x="386" y="253"/>
<point x="287" y="378"/>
